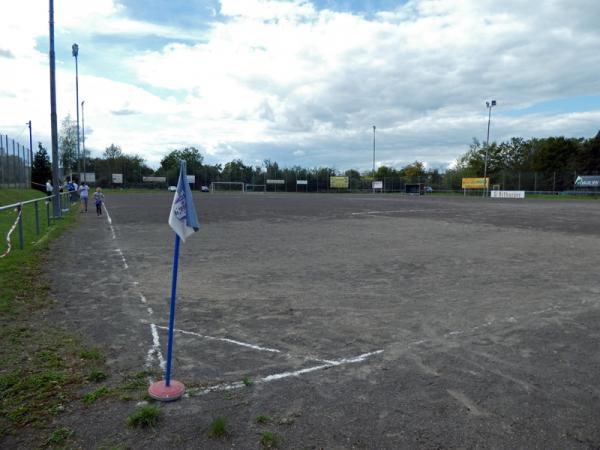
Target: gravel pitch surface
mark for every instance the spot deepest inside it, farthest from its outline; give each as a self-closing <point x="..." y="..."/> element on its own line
<point x="363" y="321"/>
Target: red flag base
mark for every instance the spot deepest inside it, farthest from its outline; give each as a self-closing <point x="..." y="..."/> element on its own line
<point x="160" y="391"/>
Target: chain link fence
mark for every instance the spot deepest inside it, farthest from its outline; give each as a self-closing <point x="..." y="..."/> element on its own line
<point x="15" y="163"/>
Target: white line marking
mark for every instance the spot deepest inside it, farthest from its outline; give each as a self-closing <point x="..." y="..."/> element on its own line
<point x="107" y="214"/>
<point x="231" y="341"/>
<point x="389" y="212"/>
<point x="283" y="375"/>
<point x="156" y="346"/>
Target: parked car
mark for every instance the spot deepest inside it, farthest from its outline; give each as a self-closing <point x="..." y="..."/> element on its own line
<point x="205" y="189"/>
<point x="172" y="188"/>
<point x="428" y="189"/>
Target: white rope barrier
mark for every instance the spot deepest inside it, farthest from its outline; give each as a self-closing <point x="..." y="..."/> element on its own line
<point x="8" y="244"/>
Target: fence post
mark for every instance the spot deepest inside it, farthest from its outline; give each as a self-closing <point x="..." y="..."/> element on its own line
<point x="37" y="218"/>
<point x="48" y="212"/>
<point x="20" y="210"/>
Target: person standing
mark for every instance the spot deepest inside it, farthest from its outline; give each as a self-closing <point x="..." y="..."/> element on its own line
<point x="99" y="198"/>
<point x="48" y="188"/>
<point x="83" y="194"/>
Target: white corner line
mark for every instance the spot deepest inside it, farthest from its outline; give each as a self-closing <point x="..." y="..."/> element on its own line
<point x="231" y="341"/>
<point x="283" y="375"/>
<point x="155" y="349"/>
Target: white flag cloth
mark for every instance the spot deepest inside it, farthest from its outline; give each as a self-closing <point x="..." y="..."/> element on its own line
<point x="183" y="217"/>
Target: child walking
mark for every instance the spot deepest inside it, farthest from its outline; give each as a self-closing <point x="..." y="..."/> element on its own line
<point x="98" y="197"/>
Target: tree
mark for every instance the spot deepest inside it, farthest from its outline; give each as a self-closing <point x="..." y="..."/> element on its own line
<point x="67" y="144"/>
<point x="41" y="169"/>
<point x="191" y="155"/>
<point x="416" y="169"/>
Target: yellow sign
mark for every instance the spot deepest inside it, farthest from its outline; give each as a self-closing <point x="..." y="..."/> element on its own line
<point x="475" y="183"/>
<point x="338" y="182"/>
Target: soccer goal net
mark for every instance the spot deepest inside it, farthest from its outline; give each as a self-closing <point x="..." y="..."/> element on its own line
<point x="227" y="186"/>
<point x="256" y="188"/>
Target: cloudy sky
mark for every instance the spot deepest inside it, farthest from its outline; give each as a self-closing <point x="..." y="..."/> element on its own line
<point x="303" y="82"/>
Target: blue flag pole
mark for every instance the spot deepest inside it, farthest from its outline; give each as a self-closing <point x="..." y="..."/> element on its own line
<point x="172" y="312"/>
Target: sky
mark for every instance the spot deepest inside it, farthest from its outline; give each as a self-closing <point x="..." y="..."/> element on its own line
<point x="303" y="82"/>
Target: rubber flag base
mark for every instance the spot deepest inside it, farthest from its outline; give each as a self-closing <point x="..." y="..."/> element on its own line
<point x="160" y="391"/>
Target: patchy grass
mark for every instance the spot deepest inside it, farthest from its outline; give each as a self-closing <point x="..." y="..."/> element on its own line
<point x="262" y="419"/>
<point x="247" y="381"/>
<point x="60" y="436"/>
<point x="94" y="395"/>
<point x="41" y="368"/>
<point x="93" y="354"/>
<point x="97" y="376"/>
<point x="268" y="439"/>
<point x="218" y="427"/>
<point x="146" y="416"/>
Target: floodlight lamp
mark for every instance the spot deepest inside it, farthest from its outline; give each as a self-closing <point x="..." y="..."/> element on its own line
<point x="493" y="102"/>
<point x="75" y="49"/>
<point x="487" y="104"/>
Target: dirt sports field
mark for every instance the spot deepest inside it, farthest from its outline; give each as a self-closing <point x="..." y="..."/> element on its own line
<point x="358" y="321"/>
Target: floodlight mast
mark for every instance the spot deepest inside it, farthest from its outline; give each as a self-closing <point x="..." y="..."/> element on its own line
<point x="75" y="49"/>
<point x="489" y="106"/>
<point x="53" y="118"/>
<point x="372" y="182"/>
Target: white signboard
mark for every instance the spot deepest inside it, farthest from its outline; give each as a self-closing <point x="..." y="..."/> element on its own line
<point x="508" y="194"/>
<point x="275" y="181"/>
<point x="88" y="177"/>
<point x="117" y="178"/>
<point x="154" y="179"/>
<point x="302" y="182"/>
<point x="377" y="184"/>
<point x="191" y="179"/>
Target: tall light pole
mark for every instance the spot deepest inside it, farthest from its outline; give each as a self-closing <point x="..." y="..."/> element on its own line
<point x="30" y="150"/>
<point x="75" y="49"/>
<point x="53" y="119"/>
<point x="83" y="137"/>
<point x="489" y="106"/>
<point x="372" y="182"/>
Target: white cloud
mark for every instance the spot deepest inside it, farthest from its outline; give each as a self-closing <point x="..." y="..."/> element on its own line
<point x="308" y="84"/>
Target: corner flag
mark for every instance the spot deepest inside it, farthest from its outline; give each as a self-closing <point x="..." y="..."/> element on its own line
<point x="184" y="222"/>
<point x="183" y="217"/>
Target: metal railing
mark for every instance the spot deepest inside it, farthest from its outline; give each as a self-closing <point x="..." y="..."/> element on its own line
<point x="64" y="198"/>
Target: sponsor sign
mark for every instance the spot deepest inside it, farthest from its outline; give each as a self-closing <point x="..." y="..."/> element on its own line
<point x="587" y="181"/>
<point x="275" y="181"/>
<point x="88" y="177"/>
<point x="338" y="182"/>
<point x="191" y="179"/>
<point x="475" y="183"/>
<point x="508" y="194"/>
<point x="117" y="178"/>
<point x="154" y="179"/>
<point x="377" y="184"/>
<point x="302" y="182"/>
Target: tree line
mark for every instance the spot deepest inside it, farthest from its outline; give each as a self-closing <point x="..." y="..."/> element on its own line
<point x="546" y="163"/>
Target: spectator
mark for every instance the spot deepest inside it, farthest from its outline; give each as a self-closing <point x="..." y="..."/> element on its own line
<point x="98" y="197"/>
<point x="48" y="188"/>
<point x="83" y="194"/>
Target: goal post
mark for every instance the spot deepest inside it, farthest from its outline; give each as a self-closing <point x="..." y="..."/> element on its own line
<point x="227" y="186"/>
<point x="256" y="188"/>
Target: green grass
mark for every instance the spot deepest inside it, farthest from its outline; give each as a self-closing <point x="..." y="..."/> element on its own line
<point x="93" y="354"/>
<point x="41" y="367"/>
<point x="218" y="427"/>
<point x="268" y="439"/>
<point x="146" y="416"/>
<point x="96" y="394"/>
<point x="262" y="419"/>
<point x="247" y="381"/>
<point x="60" y="436"/>
<point x="97" y="376"/>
